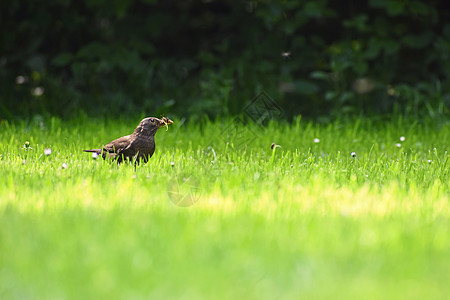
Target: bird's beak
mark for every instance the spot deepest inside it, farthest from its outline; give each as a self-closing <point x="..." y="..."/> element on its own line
<point x="165" y="122"/>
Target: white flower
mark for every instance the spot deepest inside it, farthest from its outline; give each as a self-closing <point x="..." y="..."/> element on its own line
<point x="21" y="79"/>
<point x="64" y="166"/>
<point x="94" y="155"/>
<point x="316" y="140"/>
<point x="402" y="139"/>
<point x="286" y="54"/>
<point x="37" y="91"/>
<point x="353" y="154"/>
<point x="47" y="151"/>
<point x="26" y="146"/>
<point x="398" y="145"/>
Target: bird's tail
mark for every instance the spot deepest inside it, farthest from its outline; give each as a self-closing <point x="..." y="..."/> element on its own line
<point x="98" y="151"/>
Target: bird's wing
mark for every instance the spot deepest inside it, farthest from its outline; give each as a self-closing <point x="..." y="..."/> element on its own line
<point x="118" y="147"/>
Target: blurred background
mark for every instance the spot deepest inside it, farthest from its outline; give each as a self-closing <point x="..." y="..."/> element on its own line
<point x="321" y="59"/>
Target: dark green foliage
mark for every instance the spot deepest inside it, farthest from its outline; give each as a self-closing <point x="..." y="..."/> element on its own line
<point x="315" y="58"/>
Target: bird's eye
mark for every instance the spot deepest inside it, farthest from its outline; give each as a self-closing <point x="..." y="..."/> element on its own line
<point x="152" y="120"/>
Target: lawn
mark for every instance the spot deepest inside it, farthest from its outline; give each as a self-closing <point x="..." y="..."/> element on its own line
<point x="353" y="209"/>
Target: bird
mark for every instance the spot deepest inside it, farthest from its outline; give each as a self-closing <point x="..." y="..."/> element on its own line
<point x="138" y="146"/>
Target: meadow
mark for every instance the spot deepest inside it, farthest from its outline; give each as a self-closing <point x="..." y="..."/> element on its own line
<point x="352" y="209"/>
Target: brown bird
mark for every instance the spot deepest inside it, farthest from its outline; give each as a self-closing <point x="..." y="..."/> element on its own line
<point x="138" y="146"/>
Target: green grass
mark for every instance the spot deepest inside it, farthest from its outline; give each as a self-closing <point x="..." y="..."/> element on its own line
<point x="218" y="214"/>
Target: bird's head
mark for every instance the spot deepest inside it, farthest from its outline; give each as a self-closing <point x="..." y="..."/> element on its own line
<point x="150" y="125"/>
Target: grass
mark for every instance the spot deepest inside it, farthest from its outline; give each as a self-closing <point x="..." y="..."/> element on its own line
<point x="218" y="214"/>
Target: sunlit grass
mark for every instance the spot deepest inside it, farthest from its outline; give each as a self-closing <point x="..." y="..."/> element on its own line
<point x="217" y="213"/>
